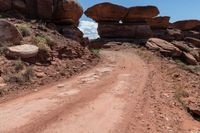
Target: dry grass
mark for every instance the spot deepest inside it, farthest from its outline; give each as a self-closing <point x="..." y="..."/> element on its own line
<point x="24" y="29"/>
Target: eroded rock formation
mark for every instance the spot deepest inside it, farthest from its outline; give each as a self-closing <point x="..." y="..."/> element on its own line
<point x="63" y="13"/>
<point x="115" y="21"/>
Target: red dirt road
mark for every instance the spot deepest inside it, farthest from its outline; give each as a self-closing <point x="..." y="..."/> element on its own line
<point x="118" y="95"/>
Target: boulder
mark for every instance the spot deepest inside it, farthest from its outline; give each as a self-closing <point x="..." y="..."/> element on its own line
<point x="19" y="5"/>
<point x="106" y="12"/>
<point x="32" y="8"/>
<point x="186" y="24"/>
<point x="159" y="22"/>
<point x="9" y="33"/>
<point x="22" y="51"/>
<point x="5" y="5"/>
<point x="69" y="11"/>
<point x="71" y="32"/>
<point x="189" y="58"/>
<point x="132" y="31"/>
<point x="182" y="46"/>
<point x="45" y="9"/>
<point x="163" y="46"/>
<point x="196" y="54"/>
<point x="141" y="13"/>
<point x="195" y="42"/>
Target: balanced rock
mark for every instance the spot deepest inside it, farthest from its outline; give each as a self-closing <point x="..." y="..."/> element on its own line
<point x="159" y="22"/>
<point x="106" y="12"/>
<point x="186" y="24"/>
<point x="132" y="31"/>
<point x="140" y="13"/>
<point x="5" y="5"/>
<point x="163" y="46"/>
<point x="23" y="51"/>
<point x="9" y="33"/>
<point x="69" y="11"/>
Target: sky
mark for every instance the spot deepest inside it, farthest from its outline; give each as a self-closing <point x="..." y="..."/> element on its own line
<point x="176" y="9"/>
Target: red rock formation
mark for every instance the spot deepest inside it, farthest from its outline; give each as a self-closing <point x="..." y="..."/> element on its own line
<point x="141" y="13"/>
<point x="187" y="24"/>
<point x="117" y="30"/>
<point x="106" y="12"/>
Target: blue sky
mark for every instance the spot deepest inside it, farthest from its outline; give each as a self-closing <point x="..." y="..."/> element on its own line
<point x="177" y="9"/>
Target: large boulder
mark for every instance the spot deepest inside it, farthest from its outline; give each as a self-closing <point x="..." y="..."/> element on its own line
<point x="45" y="9"/>
<point x="106" y="12"/>
<point x="5" y="5"/>
<point x="163" y="46"/>
<point x="132" y="31"/>
<point x="141" y="13"/>
<point x="69" y="11"/>
<point x="190" y="59"/>
<point x="19" y="5"/>
<point x="159" y="22"/>
<point x="32" y="10"/>
<point x="186" y="24"/>
<point x="71" y="32"/>
<point x="9" y="33"/>
<point x="22" y="51"/>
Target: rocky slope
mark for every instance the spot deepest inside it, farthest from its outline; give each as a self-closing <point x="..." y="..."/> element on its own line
<point x="35" y="52"/>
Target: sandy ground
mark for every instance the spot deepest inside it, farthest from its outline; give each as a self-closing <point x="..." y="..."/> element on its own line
<point x="122" y="94"/>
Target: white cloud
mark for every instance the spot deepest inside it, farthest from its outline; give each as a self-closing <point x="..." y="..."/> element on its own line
<point x="89" y="29"/>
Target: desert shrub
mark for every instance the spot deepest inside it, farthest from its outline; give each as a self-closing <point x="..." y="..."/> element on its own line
<point x="95" y="52"/>
<point x="39" y="38"/>
<point x="19" y="65"/>
<point x="179" y="94"/>
<point x="44" y="50"/>
<point x="3" y="47"/>
<point x="28" y="74"/>
<point x="21" y="77"/>
<point x="24" y="29"/>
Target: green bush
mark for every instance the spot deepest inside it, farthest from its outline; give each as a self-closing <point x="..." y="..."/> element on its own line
<point x="95" y="52"/>
<point x="24" y="29"/>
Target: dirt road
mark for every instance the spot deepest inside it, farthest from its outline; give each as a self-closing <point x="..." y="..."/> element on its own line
<point x="118" y="95"/>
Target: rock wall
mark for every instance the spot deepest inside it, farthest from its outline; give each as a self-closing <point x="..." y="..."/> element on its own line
<point x="62" y="13"/>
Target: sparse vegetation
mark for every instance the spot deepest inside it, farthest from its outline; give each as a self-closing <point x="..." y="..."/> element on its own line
<point x="3" y="47"/>
<point x="95" y="52"/>
<point x="20" y="77"/>
<point x="24" y="29"/>
<point x="179" y="94"/>
<point x="190" y="68"/>
<point x="19" y="65"/>
<point x="43" y="42"/>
